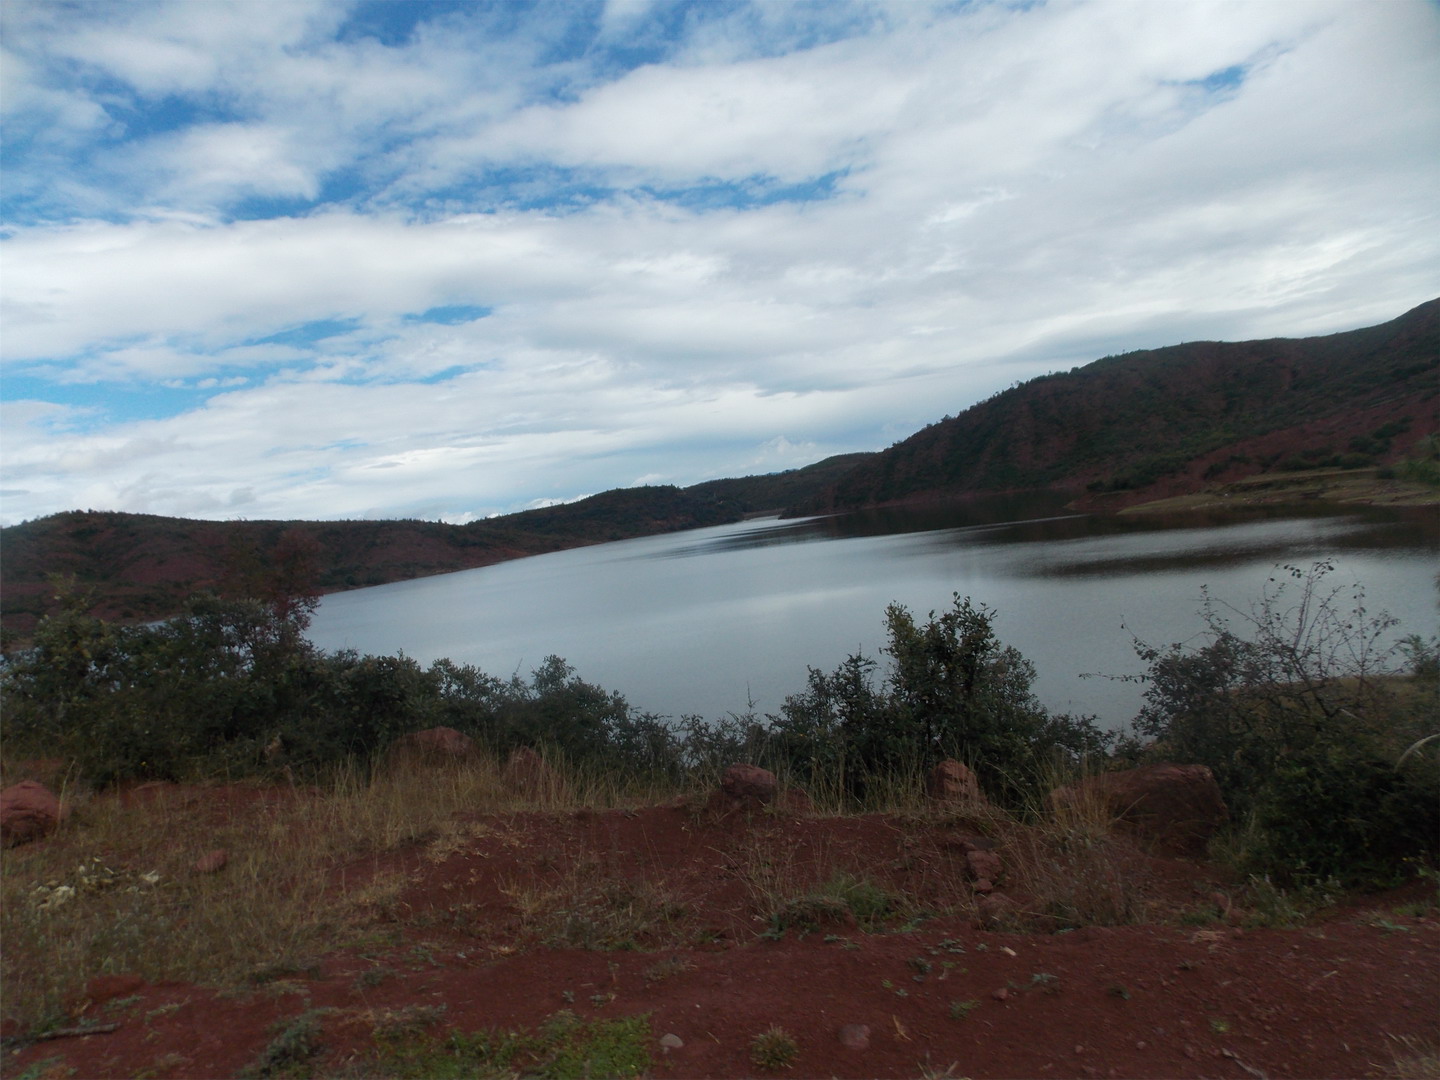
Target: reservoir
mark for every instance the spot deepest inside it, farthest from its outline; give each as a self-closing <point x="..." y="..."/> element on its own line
<point x="710" y="621"/>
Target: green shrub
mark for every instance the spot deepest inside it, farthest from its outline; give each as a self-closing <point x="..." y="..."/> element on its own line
<point x="1303" y="721"/>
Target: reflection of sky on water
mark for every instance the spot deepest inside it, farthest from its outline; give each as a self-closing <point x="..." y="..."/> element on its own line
<point x="705" y="621"/>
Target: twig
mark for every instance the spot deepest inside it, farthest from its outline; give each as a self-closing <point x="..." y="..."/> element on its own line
<point x="62" y="1033"/>
<point x="1253" y="1072"/>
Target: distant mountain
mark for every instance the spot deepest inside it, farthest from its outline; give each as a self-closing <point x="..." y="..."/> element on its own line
<point x="141" y="566"/>
<point x="1160" y="422"/>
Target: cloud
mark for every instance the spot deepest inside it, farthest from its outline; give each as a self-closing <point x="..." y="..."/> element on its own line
<point x="452" y="261"/>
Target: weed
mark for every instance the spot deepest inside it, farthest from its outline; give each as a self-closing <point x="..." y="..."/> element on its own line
<point x="1219" y="1025"/>
<point x="1118" y="990"/>
<point x="393" y="1024"/>
<point x="53" y="1068"/>
<point x="296" y="1041"/>
<point x="1046" y="981"/>
<point x="664" y="969"/>
<point x="774" y="1049"/>
<point x="373" y="977"/>
<point x="960" y="1010"/>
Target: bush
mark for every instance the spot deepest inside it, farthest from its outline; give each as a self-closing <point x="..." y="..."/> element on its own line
<point x="953" y="690"/>
<point x="1304" y="720"/>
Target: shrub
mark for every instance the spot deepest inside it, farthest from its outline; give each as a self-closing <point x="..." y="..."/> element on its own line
<point x="953" y="690"/>
<point x="1300" y="716"/>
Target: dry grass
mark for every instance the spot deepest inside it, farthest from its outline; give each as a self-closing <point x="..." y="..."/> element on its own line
<point x="1415" y="1059"/>
<point x="114" y="890"/>
<point x="586" y="904"/>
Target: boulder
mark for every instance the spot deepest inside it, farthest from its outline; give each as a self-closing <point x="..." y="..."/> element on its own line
<point x="749" y="782"/>
<point x="749" y="788"/>
<point x="28" y="811"/>
<point x="1176" y="807"/>
<point x="530" y="775"/>
<point x="952" y="781"/>
<point x="434" y="745"/>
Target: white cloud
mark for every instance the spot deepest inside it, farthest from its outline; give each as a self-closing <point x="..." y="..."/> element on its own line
<point x="1021" y="189"/>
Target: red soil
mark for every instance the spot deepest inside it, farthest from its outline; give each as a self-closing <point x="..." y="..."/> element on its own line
<point x="1159" y="999"/>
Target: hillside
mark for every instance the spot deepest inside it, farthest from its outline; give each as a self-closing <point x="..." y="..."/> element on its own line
<point x="141" y="566"/>
<point x="1162" y="422"/>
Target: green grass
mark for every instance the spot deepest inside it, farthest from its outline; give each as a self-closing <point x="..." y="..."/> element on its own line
<point x="565" y="1047"/>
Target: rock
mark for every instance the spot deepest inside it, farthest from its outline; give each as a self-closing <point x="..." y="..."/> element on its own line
<point x="530" y="775"/>
<point x="28" y="811"/>
<point x="671" y="1042"/>
<point x="952" y="781"/>
<point x="212" y="862"/>
<point x="983" y="885"/>
<point x="855" y="1036"/>
<point x="994" y="909"/>
<point x="750" y="788"/>
<point x="1177" y="807"/>
<point x="749" y="782"/>
<point x="1003" y="994"/>
<point x="983" y="865"/>
<point x="433" y="745"/>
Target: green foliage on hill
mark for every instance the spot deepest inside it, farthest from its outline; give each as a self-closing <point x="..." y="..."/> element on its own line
<point x="1126" y="422"/>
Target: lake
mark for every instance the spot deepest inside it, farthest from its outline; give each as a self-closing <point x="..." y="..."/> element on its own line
<point x="706" y="621"/>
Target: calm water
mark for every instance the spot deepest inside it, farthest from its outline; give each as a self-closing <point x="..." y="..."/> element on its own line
<point x="704" y="621"/>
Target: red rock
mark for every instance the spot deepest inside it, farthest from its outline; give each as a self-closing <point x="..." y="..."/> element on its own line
<point x="28" y="811"/>
<point x="1178" y="807"/>
<point x="749" y="788"/>
<point x="749" y="782"/>
<point x="953" y="781"/>
<point x="437" y="744"/>
<point x="983" y="885"/>
<point x="984" y="865"/>
<point x="211" y="862"/>
<point x="1003" y="994"/>
<point x="855" y="1036"/>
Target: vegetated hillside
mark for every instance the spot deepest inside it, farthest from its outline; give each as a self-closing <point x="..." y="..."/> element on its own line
<point x="1166" y="421"/>
<point x="142" y="566"/>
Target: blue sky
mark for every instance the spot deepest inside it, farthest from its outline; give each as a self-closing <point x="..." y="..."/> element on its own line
<point x="445" y="260"/>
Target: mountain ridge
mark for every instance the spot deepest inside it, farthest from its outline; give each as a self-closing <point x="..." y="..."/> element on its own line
<point x="1156" y="422"/>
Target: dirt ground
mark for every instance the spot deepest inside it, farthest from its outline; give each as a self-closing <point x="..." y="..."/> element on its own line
<point x="708" y="925"/>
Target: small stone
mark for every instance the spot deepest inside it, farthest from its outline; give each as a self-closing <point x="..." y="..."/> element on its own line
<point x="1003" y="994"/>
<point x="984" y="885"/>
<point x="671" y="1042"/>
<point x="212" y="862"/>
<point x="855" y="1036"/>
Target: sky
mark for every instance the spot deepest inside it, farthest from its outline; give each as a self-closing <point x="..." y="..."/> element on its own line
<point x="439" y="260"/>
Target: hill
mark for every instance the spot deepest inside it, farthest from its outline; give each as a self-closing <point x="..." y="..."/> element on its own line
<point x="141" y="566"/>
<point x="1162" y="422"/>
